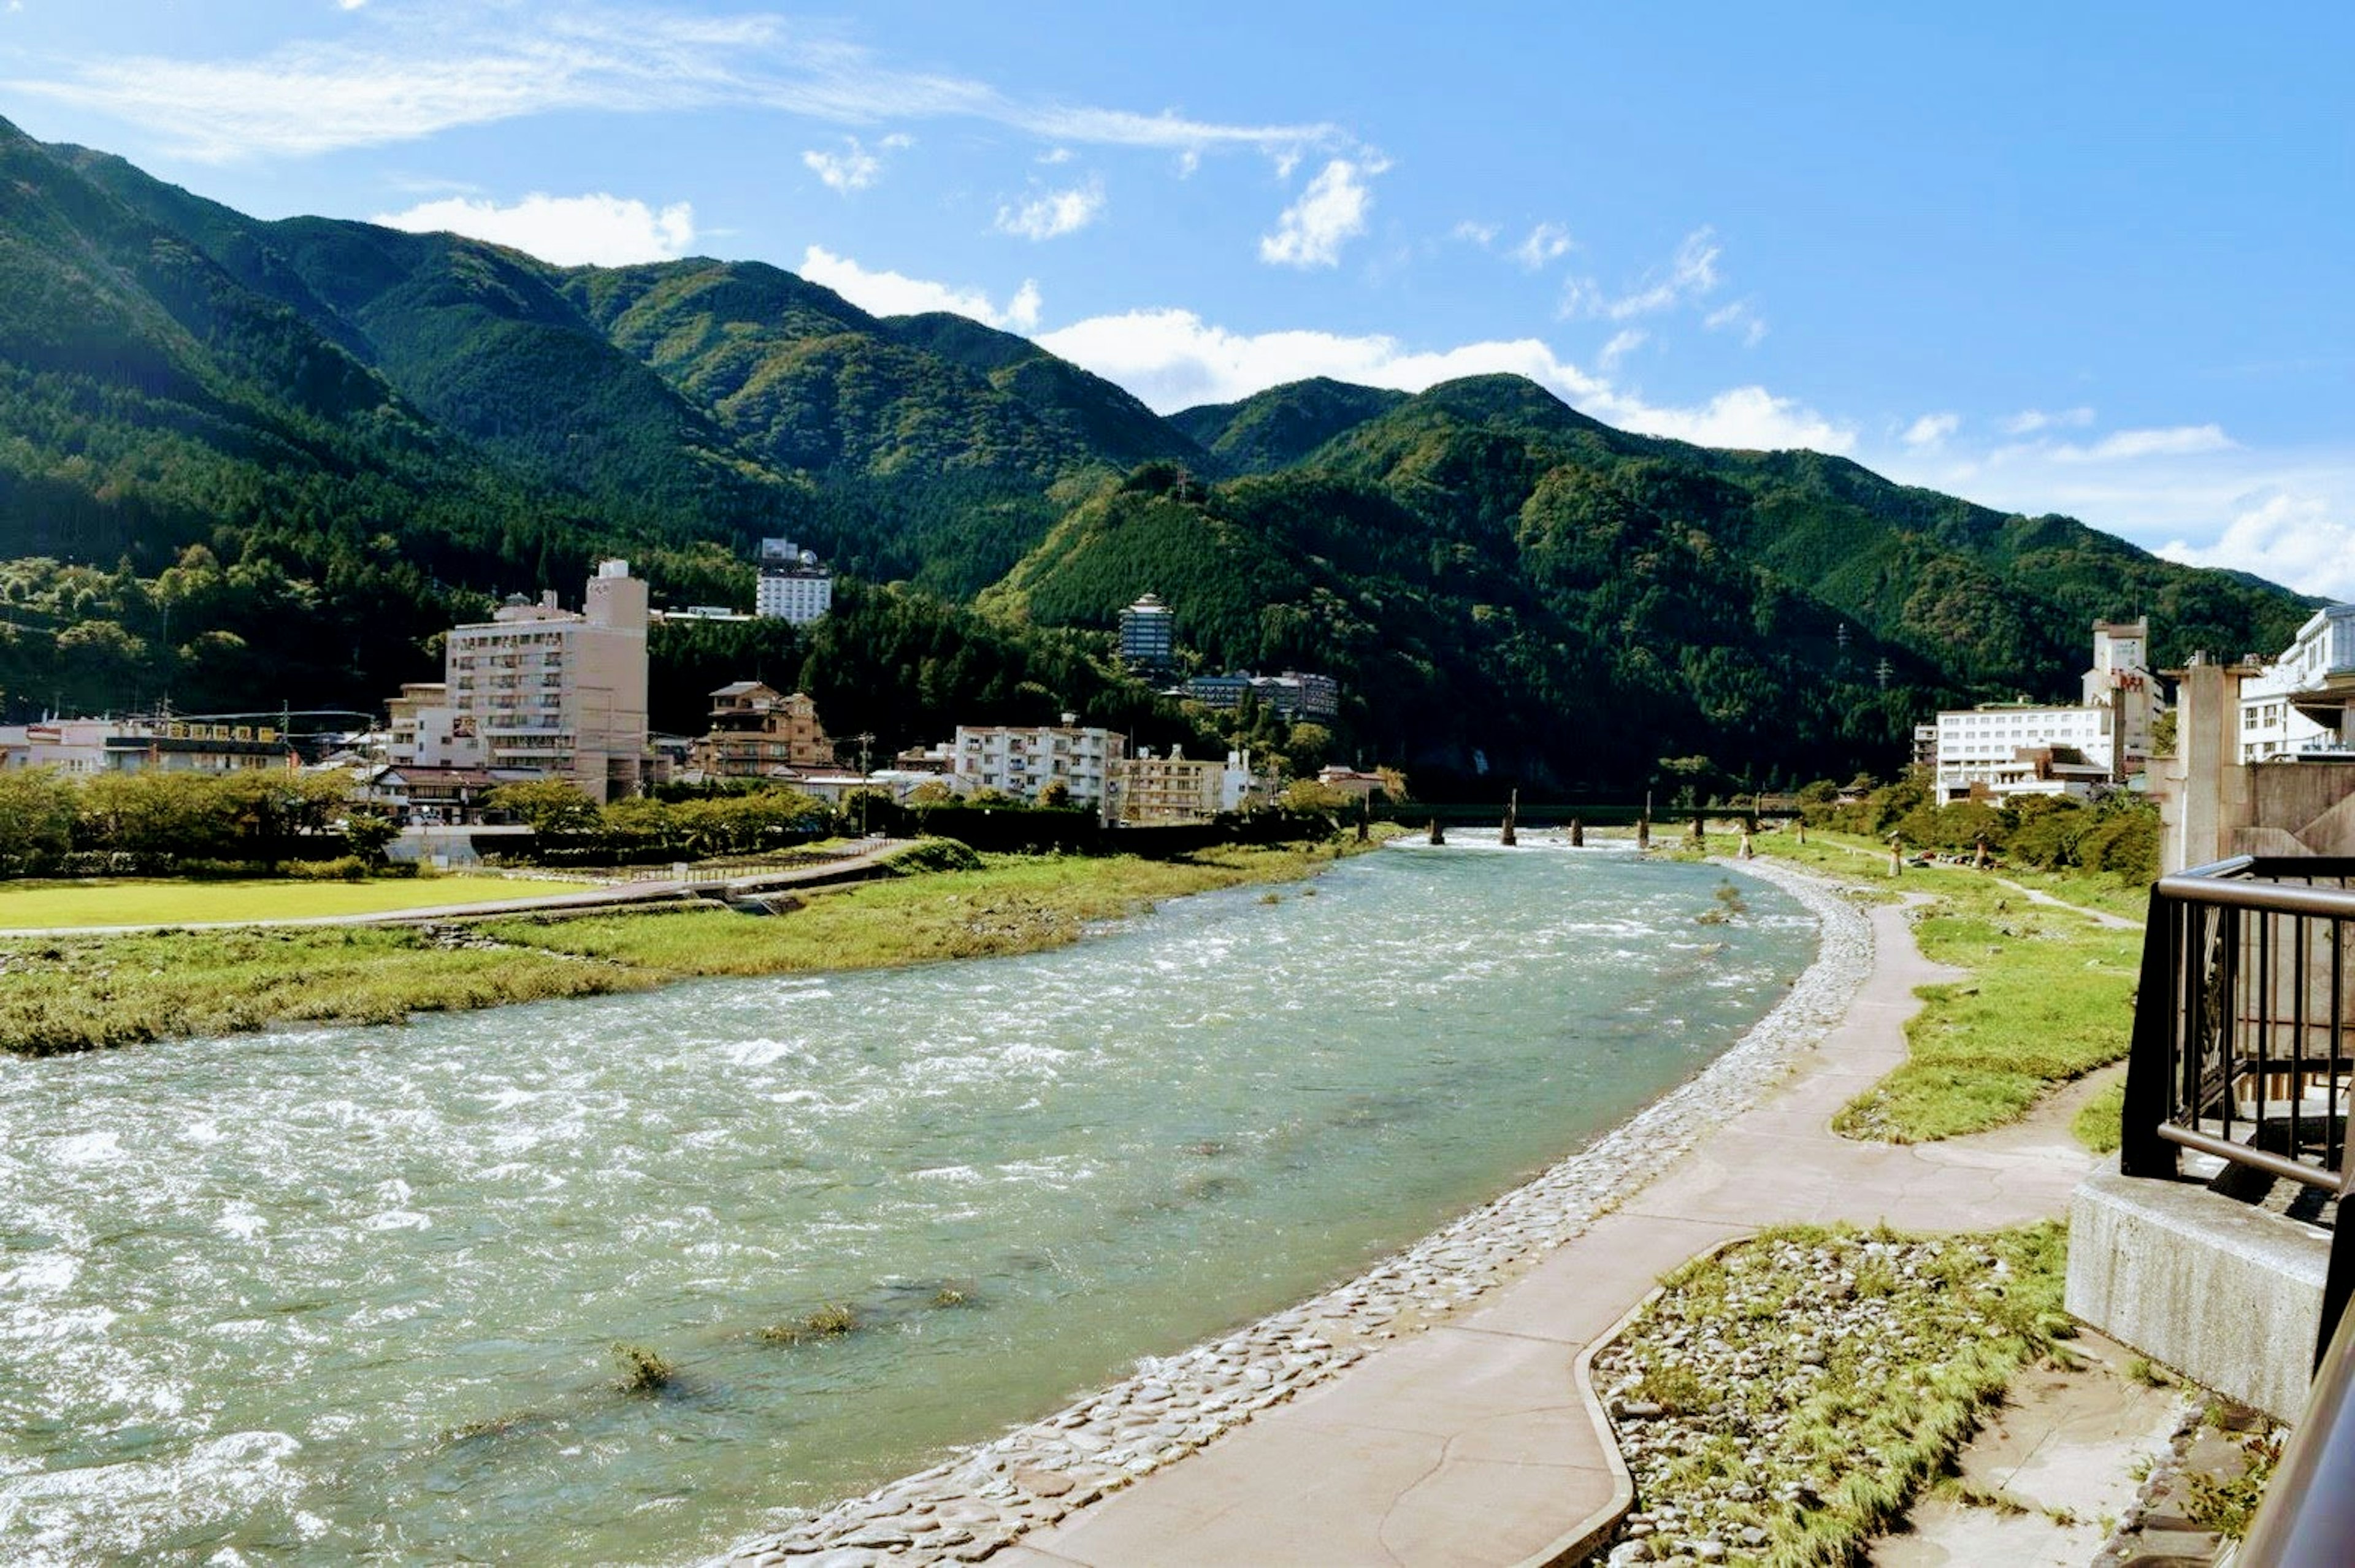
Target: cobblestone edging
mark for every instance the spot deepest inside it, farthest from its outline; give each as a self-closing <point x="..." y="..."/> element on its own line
<point x="967" y="1509"/>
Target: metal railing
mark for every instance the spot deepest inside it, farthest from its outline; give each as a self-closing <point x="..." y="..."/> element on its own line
<point x="2244" y="1033"/>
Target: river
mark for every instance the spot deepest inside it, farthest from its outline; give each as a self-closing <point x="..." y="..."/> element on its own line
<point x="307" y="1295"/>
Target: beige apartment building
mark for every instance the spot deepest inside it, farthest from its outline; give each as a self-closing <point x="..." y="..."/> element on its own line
<point x="757" y="733"/>
<point x="541" y="691"/>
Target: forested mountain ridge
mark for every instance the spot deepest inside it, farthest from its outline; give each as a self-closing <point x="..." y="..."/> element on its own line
<point x="248" y="461"/>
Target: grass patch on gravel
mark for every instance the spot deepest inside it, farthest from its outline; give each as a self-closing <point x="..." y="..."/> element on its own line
<point x="2048" y="997"/>
<point x="1013" y="904"/>
<point x="70" y="994"/>
<point x="1821" y="1380"/>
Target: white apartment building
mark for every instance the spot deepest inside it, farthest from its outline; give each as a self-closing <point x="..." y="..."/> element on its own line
<point x="541" y="691"/>
<point x="793" y="586"/>
<point x="2298" y="705"/>
<point x="1018" y="760"/>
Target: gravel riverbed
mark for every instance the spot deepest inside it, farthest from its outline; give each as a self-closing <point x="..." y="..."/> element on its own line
<point x="973" y="1505"/>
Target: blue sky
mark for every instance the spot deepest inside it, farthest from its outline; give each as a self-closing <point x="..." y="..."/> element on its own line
<point x="2087" y="259"/>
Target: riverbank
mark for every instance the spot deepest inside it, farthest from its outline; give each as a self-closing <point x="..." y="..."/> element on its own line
<point x="64" y="994"/>
<point x="1415" y="1314"/>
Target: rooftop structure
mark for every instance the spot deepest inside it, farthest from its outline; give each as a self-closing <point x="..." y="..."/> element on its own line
<point x="144" y="745"/>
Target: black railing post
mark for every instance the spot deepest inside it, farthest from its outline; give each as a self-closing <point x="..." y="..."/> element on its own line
<point x="2150" y="1067"/>
<point x="2339" y="1280"/>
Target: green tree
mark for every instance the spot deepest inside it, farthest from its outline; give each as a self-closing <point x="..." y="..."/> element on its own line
<point x="368" y="830"/>
<point x="36" y="818"/>
<point x="1055" y="794"/>
<point x="546" y="805"/>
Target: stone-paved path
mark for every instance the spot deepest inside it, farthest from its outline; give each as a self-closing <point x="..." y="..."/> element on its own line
<point x="1473" y="1444"/>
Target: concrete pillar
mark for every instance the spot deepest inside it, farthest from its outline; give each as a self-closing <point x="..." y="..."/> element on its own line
<point x="2203" y="789"/>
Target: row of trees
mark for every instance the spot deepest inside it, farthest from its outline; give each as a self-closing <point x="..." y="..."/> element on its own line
<point x="2118" y="833"/>
<point x="52" y="821"/>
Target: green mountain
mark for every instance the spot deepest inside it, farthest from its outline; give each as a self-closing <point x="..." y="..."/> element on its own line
<point x="245" y="463"/>
<point x="1281" y="426"/>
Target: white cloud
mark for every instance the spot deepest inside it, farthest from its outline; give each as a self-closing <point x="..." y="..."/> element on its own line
<point x="2299" y="540"/>
<point x="1330" y="213"/>
<point x="2028" y="422"/>
<point x="2178" y="440"/>
<point x="1690" y="274"/>
<point x="415" y="73"/>
<point x="1546" y="242"/>
<point x="1057" y="155"/>
<point x="854" y="167"/>
<point x="340" y="5"/>
<point x="1481" y="234"/>
<point x="887" y="292"/>
<point x="1931" y="430"/>
<point x="1053" y="213"/>
<point x="1623" y="343"/>
<point x="1737" y="314"/>
<point x="1173" y="360"/>
<point x="569" y="230"/>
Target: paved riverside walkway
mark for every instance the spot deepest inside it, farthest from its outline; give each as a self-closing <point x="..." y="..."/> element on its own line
<point x="1473" y="1442"/>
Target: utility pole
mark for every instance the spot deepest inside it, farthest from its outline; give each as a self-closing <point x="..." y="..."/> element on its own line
<point x="865" y="739"/>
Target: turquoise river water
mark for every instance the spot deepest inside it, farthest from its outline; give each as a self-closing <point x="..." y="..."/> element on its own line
<point x="329" y="1294"/>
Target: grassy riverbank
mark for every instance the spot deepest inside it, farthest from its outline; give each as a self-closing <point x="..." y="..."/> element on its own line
<point x="69" y="994"/>
<point x="2048" y="996"/>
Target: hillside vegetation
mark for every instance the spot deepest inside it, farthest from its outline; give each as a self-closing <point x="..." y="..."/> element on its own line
<point x="248" y="464"/>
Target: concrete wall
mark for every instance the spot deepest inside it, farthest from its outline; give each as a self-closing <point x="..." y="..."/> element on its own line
<point x="2303" y="799"/>
<point x="2229" y="1295"/>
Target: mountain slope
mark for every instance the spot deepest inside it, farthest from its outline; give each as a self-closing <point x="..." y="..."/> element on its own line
<point x="1280" y="427"/>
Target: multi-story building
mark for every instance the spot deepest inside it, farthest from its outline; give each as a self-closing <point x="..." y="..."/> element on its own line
<point x="1020" y="760"/>
<point x="145" y="745"/>
<point x="540" y="692"/>
<point x="1148" y="637"/>
<point x="793" y="586"/>
<point x="757" y="733"/>
<point x="2298" y="706"/>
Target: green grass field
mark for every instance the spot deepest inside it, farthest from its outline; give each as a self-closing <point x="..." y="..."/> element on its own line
<point x="42" y="906"/>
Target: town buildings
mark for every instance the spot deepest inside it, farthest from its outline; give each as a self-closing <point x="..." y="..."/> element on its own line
<point x="1999" y="750"/>
<point x="1021" y="760"/>
<point x="2242" y="781"/>
<point x="793" y="586"/>
<point x="2280" y="716"/>
<point x="539" y="691"/>
<point x="91" y="746"/>
<point x="1148" y="637"/>
<point x="1295" y="694"/>
<point x="757" y="732"/>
